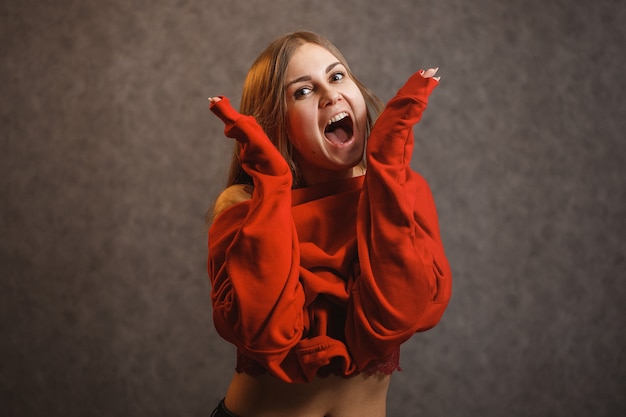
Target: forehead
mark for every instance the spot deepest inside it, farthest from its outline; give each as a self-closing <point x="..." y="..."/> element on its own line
<point x="309" y="58"/>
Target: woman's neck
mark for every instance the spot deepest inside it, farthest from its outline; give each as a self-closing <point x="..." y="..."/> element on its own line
<point x="320" y="176"/>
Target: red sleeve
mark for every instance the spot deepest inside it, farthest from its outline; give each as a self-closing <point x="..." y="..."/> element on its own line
<point x="405" y="280"/>
<point x="253" y="253"/>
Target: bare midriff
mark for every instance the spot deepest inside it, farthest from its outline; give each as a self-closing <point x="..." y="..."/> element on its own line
<point x="332" y="396"/>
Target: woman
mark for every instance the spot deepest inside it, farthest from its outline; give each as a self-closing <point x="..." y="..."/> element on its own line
<point x="321" y="263"/>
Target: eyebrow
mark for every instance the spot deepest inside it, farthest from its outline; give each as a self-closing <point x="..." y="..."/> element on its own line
<point x="308" y="77"/>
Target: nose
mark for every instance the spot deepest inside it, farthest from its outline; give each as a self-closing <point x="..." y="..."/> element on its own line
<point x="329" y="97"/>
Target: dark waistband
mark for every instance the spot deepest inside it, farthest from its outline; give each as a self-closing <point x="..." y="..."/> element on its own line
<point x="222" y="411"/>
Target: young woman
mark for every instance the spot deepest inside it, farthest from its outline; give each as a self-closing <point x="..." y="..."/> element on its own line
<point x="322" y="263"/>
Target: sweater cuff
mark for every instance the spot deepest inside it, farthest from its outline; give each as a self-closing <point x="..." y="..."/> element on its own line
<point x="224" y="110"/>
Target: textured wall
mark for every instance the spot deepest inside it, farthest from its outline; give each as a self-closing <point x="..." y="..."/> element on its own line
<point x="109" y="159"/>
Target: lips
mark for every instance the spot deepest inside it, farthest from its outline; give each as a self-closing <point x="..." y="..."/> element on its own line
<point x="339" y="129"/>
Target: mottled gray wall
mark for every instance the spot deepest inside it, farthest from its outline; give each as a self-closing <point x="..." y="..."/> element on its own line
<point x="109" y="159"/>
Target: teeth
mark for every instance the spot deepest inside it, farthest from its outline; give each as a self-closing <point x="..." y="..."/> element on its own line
<point x="337" y="117"/>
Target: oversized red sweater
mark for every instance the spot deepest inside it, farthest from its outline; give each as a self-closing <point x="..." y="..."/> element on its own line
<point x="334" y="276"/>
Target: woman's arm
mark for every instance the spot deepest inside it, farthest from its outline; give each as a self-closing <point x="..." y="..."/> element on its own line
<point x="405" y="280"/>
<point x="253" y="252"/>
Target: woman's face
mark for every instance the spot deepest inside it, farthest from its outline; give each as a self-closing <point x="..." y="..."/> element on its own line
<point x="326" y="115"/>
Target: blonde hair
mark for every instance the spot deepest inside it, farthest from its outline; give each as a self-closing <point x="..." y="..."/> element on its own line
<point x="264" y="97"/>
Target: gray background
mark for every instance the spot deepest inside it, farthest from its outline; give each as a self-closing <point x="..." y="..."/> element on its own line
<point x="109" y="159"/>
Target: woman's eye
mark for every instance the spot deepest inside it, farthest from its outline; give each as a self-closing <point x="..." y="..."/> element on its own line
<point x="338" y="76"/>
<point x="301" y="92"/>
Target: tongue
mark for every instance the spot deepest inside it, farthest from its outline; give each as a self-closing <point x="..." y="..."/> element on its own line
<point x="338" y="135"/>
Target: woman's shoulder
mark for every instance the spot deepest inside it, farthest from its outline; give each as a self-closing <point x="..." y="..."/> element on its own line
<point x="232" y="195"/>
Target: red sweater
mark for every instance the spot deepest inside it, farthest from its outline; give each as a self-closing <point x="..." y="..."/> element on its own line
<point x="334" y="276"/>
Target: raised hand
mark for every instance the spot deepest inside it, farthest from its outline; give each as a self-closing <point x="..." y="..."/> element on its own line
<point x="430" y="73"/>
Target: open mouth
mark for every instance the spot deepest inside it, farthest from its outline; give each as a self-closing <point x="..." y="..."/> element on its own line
<point x="339" y="129"/>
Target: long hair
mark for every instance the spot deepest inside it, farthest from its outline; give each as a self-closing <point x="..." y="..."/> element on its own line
<point x="264" y="98"/>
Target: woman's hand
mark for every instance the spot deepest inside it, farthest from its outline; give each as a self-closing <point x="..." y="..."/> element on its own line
<point x="430" y="73"/>
<point x="257" y="152"/>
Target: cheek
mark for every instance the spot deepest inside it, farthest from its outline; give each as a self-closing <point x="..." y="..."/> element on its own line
<point x="300" y="127"/>
<point x="359" y="106"/>
<point x="361" y="114"/>
<point x="295" y="131"/>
